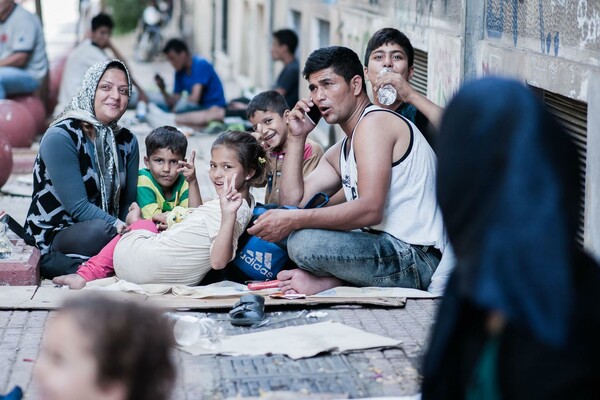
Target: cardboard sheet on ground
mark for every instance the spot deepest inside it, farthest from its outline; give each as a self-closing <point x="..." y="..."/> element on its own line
<point x="298" y="341"/>
<point x="13" y="296"/>
<point x="366" y="292"/>
<point x="228" y="289"/>
<point x="281" y="395"/>
<point x="216" y="296"/>
<point x="219" y="289"/>
<point x="225" y="294"/>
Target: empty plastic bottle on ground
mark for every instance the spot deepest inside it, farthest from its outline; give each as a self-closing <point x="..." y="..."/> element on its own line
<point x="5" y="245"/>
<point x="387" y="93"/>
<point x="189" y="330"/>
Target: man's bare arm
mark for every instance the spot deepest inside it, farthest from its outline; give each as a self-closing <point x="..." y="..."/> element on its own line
<point x="291" y="189"/>
<point x="170" y="99"/>
<point x="374" y="144"/>
<point x="18" y="59"/>
<point x="196" y="94"/>
<point x="429" y="109"/>
<point x="378" y="142"/>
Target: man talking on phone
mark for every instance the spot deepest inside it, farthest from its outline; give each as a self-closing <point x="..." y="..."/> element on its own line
<point x="389" y="232"/>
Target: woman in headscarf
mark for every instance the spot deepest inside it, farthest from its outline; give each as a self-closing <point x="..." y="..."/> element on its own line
<point x="85" y="174"/>
<point x="520" y="316"/>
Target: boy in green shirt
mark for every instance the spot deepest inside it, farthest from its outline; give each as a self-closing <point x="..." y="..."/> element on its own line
<point x="168" y="179"/>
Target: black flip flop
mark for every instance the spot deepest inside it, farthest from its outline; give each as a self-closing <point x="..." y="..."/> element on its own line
<point x="248" y="311"/>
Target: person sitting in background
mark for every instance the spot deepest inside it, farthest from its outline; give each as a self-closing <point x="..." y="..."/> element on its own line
<point x="205" y="100"/>
<point x="283" y="48"/>
<point x="23" y="60"/>
<point x="87" y="53"/>
<point x="268" y="113"/>
<point x="390" y="48"/>
<point x="85" y="174"/>
<point x="99" y="348"/>
<point x="520" y="316"/>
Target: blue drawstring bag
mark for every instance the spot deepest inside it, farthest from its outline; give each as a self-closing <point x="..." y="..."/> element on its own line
<point x="260" y="260"/>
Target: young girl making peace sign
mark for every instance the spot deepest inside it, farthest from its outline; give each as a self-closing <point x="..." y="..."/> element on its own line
<point x="206" y="238"/>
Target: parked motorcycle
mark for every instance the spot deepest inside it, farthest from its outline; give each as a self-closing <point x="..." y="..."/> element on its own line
<point x="149" y="39"/>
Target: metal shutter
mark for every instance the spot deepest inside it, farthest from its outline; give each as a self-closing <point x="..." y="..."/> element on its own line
<point x="572" y="114"/>
<point x="419" y="79"/>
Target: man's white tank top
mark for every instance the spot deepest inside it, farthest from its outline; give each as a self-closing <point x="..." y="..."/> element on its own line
<point x="411" y="212"/>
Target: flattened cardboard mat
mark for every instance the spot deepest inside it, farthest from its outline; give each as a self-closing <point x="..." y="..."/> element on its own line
<point x="48" y="298"/>
<point x="217" y="296"/>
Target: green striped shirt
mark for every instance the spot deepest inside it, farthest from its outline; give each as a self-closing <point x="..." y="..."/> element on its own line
<point x="151" y="198"/>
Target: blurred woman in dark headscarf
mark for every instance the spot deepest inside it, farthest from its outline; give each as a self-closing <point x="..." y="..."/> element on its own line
<point x="520" y="318"/>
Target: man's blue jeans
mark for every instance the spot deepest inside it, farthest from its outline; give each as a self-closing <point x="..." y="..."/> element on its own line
<point x="16" y="81"/>
<point x="361" y="258"/>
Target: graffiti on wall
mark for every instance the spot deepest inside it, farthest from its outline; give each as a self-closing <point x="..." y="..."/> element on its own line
<point x="446" y="71"/>
<point x="588" y="21"/>
<point x="500" y="14"/>
<point x="424" y="11"/>
<point x="552" y="23"/>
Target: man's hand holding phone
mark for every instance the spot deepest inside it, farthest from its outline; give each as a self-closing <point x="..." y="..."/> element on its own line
<point x="303" y="118"/>
<point x="314" y="114"/>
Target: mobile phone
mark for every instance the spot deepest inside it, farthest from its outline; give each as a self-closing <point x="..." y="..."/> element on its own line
<point x="314" y="114"/>
<point x="159" y="80"/>
<point x="263" y="285"/>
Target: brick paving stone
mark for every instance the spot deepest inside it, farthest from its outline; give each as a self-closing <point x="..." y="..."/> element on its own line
<point x="22" y="267"/>
<point x="20" y="338"/>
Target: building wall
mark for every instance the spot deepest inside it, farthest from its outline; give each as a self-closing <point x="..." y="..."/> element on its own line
<point x="550" y="44"/>
<point x="553" y="45"/>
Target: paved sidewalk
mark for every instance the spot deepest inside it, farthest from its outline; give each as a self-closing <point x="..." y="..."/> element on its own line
<point x="391" y="372"/>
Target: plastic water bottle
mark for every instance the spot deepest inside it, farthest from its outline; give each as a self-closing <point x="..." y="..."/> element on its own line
<point x="140" y="110"/>
<point x="5" y="244"/>
<point x="189" y="330"/>
<point x="387" y="93"/>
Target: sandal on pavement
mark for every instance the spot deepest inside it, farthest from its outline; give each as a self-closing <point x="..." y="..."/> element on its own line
<point x="248" y="311"/>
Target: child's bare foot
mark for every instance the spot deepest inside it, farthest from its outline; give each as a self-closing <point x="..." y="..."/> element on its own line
<point x="134" y="214"/>
<point x="74" y="281"/>
<point x="300" y="281"/>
